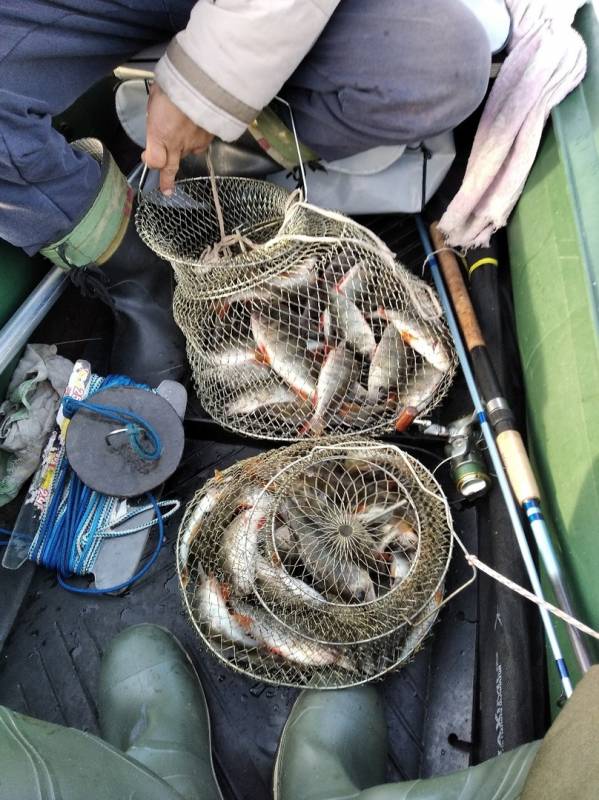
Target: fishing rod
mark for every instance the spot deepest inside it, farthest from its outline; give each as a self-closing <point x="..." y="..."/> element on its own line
<point x="509" y="441"/>
<point x="495" y="457"/>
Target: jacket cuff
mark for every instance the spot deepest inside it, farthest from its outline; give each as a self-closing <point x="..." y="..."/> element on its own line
<point x="200" y="97"/>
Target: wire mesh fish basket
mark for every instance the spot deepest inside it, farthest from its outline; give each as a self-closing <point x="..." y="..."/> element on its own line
<point x="316" y="565"/>
<point x="299" y="322"/>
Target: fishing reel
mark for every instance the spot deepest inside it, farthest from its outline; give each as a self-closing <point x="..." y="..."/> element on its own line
<point x="467" y="463"/>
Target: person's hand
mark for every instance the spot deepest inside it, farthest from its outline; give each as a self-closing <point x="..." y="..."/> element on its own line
<point x="170" y="136"/>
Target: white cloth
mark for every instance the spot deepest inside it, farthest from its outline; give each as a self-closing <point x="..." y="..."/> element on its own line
<point x="547" y="59"/>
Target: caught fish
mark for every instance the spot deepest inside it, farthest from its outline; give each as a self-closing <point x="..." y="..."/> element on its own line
<point x="375" y="512"/>
<point x="233" y="356"/>
<point x="280" y="582"/>
<point x="284" y="541"/>
<point x="206" y="503"/>
<point x="397" y="532"/>
<point x="239" y="548"/>
<point x="420" y="338"/>
<point x="238" y="376"/>
<point x="304" y="273"/>
<point x="284" y="358"/>
<point x="399" y="568"/>
<point x="352" y="324"/>
<point x="334" y="378"/>
<point x="420" y="391"/>
<point x="336" y="573"/>
<point x="213" y="610"/>
<point x="388" y="366"/>
<point x="261" y="397"/>
<point x="282" y="642"/>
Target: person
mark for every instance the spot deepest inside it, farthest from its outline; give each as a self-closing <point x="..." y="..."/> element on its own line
<point x="356" y="75"/>
<point x="156" y="744"/>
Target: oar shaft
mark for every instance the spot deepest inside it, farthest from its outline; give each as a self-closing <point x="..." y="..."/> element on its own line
<point x="509" y="441"/>
<point x="510" y="503"/>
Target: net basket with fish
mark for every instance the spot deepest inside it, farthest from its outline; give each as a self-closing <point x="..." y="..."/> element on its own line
<point x="299" y="322"/>
<point x="316" y="565"/>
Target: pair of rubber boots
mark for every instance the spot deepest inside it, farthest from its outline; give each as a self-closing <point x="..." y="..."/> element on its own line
<point x="156" y="743"/>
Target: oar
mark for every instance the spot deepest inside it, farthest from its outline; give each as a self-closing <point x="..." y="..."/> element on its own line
<point x="509" y="441"/>
<point x="504" y="485"/>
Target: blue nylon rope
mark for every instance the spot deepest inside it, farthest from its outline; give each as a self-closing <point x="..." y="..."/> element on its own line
<point x="77" y="518"/>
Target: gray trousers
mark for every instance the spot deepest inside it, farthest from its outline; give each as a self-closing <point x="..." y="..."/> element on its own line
<point x="382" y="72"/>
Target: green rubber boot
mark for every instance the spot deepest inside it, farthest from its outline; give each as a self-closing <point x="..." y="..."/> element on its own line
<point x="152" y="707"/>
<point x="334" y="747"/>
<point x="334" y="744"/>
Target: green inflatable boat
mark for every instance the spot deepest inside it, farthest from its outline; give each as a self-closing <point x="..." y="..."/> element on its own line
<point x="482" y="684"/>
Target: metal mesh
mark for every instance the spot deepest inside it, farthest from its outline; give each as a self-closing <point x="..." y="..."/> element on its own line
<point x="299" y="322"/>
<point x="316" y="565"/>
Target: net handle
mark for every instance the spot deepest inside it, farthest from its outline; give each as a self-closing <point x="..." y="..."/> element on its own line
<point x="297" y="146"/>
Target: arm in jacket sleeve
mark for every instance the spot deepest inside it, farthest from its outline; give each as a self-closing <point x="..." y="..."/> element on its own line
<point x="235" y="55"/>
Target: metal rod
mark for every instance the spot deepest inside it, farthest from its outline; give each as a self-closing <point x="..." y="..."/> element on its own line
<point x="504" y="485"/>
<point x="16" y="332"/>
<point x="509" y="441"/>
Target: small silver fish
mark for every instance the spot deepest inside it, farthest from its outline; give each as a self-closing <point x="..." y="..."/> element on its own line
<point x="304" y="273"/>
<point x="333" y="381"/>
<point x="336" y="573"/>
<point x="239" y="547"/>
<point x="280" y="641"/>
<point x="284" y="357"/>
<point x="239" y="376"/>
<point x="233" y="356"/>
<point x="261" y="397"/>
<point x="354" y="327"/>
<point x="202" y="508"/>
<point x="399" y="568"/>
<point x="280" y="582"/>
<point x="421" y="389"/>
<point x="367" y="514"/>
<point x="388" y="366"/>
<point x="397" y="533"/>
<point x="420" y="338"/>
<point x="213" y="610"/>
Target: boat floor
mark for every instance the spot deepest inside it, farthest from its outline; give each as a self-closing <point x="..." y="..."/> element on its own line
<point x="442" y="708"/>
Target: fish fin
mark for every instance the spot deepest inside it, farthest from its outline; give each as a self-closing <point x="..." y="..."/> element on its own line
<point x="221" y="308"/>
<point x="405" y="419"/>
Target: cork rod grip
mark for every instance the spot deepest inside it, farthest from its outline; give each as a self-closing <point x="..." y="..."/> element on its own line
<point x="516" y="463"/>
<point x="457" y="291"/>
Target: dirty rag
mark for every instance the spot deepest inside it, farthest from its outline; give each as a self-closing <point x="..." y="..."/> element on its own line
<point x="28" y="414"/>
<point x="546" y="60"/>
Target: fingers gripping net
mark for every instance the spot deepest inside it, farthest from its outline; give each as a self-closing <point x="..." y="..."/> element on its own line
<point x="299" y="322"/>
<point x="316" y="565"/>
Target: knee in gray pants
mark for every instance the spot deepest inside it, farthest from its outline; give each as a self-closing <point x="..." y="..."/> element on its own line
<point x="390" y="72"/>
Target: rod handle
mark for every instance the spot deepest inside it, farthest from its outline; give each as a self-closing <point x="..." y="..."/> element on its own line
<point x="518" y="468"/>
<point x="457" y="290"/>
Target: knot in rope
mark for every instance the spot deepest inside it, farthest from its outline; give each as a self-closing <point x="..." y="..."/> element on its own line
<point x="143" y="438"/>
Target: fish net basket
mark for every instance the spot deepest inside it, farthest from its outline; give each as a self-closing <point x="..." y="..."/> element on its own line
<point x="299" y="322"/>
<point x="317" y="565"/>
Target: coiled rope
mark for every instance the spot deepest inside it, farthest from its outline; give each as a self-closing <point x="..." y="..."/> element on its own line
<point x="78" y="519"/>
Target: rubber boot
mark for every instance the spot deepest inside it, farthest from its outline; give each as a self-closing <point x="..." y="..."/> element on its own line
<point x="106" y="259"/>
<point x="39" y="761"/>
<point x="152" y="707"/>
<point x="147" y="344"/>
<point x="334" y="747"/>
